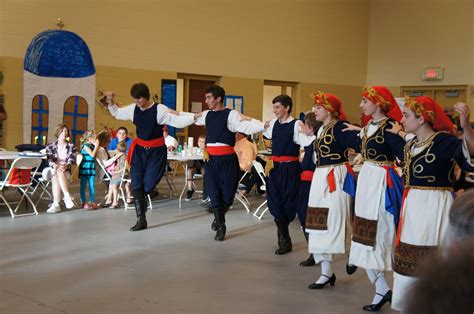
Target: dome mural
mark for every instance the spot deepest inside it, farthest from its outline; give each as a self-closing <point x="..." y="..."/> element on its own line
<point x="58" y="86"/>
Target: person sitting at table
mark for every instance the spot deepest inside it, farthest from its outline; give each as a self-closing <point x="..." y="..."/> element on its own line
<point x="170" y="142"/>
<point x="61" y="156"/>
<point x="121" y="135"/>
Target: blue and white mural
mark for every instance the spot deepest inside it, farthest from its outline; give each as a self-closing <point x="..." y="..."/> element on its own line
<point x="58" y="65"/>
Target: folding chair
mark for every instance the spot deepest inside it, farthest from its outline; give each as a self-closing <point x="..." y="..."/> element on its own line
<point x="169" y="176"/>
<point x="261" y="173"/>
<point x="241" y="197"/>
<point x="124" y="180"/>
<point x="22" y="163"/>
<point x="42" y="183"/>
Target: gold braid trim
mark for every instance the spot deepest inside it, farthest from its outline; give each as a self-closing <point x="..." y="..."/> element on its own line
<point x="419" y="108"/>
<point x="322" y="100"/>
<point x="377" y="98"/>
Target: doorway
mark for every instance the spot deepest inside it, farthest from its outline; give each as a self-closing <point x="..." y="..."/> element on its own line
<point x="271" y="89"/>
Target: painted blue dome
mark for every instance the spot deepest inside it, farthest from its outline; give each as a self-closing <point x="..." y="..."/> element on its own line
<point x="58" y="53"/>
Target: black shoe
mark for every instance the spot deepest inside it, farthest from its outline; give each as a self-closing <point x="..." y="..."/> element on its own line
<point x="140" y="225"/>
<point x="331" y="281"/>
<point x="206" y="203"/>
<point x="350" y="269"/>
<point x="309" y="262"/>
<point x="189" y="195"/>
<point x="376" y="307"/>
<point x="219" y="223"/>
<point x="284" y="241"/>
<point x="220" y="233"/>
<point x="214" y="225"/>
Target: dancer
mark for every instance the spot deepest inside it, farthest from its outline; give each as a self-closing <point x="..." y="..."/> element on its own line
<point x="222" y="169"/>
<point x="147" y="154"/>
<point x="284" y="179"/>
<point x="332" y="187"/>
<point x="307" y="167"/>
<point x="379" y="192"/>
<point x="429" y="160"/>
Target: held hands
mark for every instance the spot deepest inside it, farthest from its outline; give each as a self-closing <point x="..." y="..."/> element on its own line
<point x="464" y="115"/>
<point x="350" y="127"/>
<point x="396" y="127"/>
<point x="197" y="115"/>
<point x="110" y="95"/>
<point x="267" y="124"/>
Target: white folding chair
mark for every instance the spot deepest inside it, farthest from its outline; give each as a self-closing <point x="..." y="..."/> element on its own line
<point x="42" y="183"/>
<point x="124" y="180"/>
<point x="21" y="163"/>
<point x="241" y="197"/>
<point x="261" y="173"/>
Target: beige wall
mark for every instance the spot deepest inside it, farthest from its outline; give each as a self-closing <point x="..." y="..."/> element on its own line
<point x="300" y="40"/>
<point x="406" y="36"/>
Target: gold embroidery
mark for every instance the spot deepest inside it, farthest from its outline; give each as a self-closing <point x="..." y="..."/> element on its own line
<point x="408" y="258"/>
<point x="317" y="218"/>
<point x="378" y="137"/>
<point x="364" y="231"/>
<point x="412" y="159"/>
<point x="326" y="139"/>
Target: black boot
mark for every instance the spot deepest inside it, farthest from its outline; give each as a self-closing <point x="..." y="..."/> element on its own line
<point x="310" y="260"/>
<point x="214" y="222"/>
<point x="219" y="216"/>
<point x="284" y="240"/>
<point x="140" y="208"/>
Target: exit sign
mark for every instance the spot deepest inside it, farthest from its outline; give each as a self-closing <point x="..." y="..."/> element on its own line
<point x="433" y="74"/>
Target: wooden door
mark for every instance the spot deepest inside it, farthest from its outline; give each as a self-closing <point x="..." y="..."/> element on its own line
<point x="75" y="117"/>
<point x="197" y="94"/>
<point x="447" y="98"/>
<point x="39" y="120"/>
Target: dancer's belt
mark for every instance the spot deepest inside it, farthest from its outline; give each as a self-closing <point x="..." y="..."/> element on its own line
<point x="284" y="158"/>
<point x="307" y="175"/>
<point x="220" y="150"/>
<point x="157" y="142"/>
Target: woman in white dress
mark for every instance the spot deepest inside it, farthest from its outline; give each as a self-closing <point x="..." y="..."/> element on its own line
<point x="428" y="173"/>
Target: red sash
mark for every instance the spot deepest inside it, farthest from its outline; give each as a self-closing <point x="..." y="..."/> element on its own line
<point x="220" y="150"/>
<point x="332" y="180"/>
<point x="307" y="175"/>
<point x="283" y="158"/>
<point x="157" y="142"/>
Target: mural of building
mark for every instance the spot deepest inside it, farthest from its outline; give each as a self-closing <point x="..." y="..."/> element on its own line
<point x="58" y="86"/>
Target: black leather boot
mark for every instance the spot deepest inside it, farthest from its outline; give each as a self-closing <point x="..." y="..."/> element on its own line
<point x="214" y="223"/>
<point x="140" y="208"/>
<point x="284" y="240"/>
<point x="219" y="215"/>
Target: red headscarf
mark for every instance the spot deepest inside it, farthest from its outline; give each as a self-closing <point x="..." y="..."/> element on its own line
<point x="383" y="98"/>
<point x="331" y="103"/>
<point x="432" y="112"/>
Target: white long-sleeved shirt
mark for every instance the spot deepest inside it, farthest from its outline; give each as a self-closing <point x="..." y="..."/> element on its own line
<point x="299" y="137"/>
<point x="163" y="115"/>
<point x="234" y="124"/>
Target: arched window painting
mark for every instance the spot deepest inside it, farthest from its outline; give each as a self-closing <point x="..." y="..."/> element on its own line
<point x="75" y="117"/>
<point x="39" y="119"/>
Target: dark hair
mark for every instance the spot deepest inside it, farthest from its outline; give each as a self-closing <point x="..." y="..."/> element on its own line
<point x="445" y="284"/>
<point x="103" y="137"/>
<point x="216" y="92"/>
<point x="139" y="90"/>
<point x="310" y="119"/>
<point x="285" y="100"/>
<point x="123" y="128"/>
